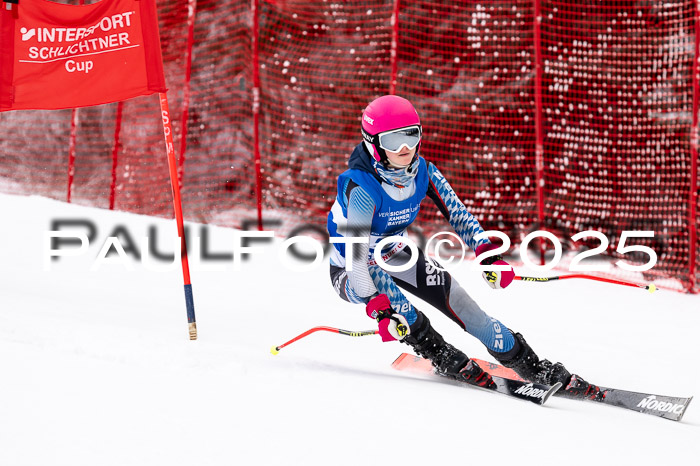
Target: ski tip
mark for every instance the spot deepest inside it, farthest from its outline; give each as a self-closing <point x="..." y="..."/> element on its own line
<point x="555" y="388"/>
<point x="397" y="362"/>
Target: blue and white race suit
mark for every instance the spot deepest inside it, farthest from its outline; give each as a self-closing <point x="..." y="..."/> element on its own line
<point x="369" y="205"/>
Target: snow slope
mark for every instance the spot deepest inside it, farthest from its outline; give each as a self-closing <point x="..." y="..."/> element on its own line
<point x="96" y="367"/>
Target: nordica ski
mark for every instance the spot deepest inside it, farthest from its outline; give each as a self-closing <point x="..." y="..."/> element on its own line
<point x="533" y="392"/>
<point x="667" y="407"/>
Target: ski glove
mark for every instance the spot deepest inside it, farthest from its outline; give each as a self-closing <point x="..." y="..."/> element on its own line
<point x="392" y="326"/>
<point x="495" y="278"/>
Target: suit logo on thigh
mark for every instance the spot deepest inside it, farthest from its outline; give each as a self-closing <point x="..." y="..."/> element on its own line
<point x="433" y="276"/>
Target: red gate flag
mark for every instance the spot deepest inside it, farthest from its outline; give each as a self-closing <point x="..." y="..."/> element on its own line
<point x="55" y="56"/>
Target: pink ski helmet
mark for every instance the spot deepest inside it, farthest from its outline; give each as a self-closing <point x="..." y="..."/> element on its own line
<point x="389" y="123"/>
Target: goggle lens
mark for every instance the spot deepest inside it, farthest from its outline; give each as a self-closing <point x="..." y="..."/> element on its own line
<point x="394" y="140"/>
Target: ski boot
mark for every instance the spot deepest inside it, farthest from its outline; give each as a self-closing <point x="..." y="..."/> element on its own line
<point x="447" y="360"/>
<point x="523" y="360"/>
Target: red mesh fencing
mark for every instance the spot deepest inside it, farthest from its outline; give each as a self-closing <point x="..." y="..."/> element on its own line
<point x="601" y="95"/>
<point x="618" y="112"/>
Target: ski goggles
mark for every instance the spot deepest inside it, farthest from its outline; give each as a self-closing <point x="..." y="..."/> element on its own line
<point x="394" y="140"/>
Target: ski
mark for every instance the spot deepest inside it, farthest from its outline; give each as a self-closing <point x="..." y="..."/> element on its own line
<point x="667" y="407"/>
<point x="533" y="392"/>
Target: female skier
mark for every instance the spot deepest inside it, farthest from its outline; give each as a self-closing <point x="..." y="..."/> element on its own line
<point x="379" y="196"/>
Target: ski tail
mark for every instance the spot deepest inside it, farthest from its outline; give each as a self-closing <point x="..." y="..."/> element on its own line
<point x="667" y="407"/>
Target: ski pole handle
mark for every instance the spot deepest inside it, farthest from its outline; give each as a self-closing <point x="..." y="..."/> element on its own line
<point x="651" y="287"/>
<point x="276" y="349"/>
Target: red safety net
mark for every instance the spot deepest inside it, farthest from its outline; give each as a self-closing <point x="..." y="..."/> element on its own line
<point x="600" y="94"/>
<point x="617" y="114"/>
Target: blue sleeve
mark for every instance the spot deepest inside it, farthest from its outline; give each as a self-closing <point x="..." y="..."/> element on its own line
<point x="464" y="223"/>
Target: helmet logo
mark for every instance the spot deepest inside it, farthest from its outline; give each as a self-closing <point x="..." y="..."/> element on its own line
<point x="368" y="119"/>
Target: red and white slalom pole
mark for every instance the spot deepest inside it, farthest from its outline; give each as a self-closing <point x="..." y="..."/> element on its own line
<point x="177" y="204"/>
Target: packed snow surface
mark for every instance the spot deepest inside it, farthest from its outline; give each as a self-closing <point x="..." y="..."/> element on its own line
<point x="97" y="367"/>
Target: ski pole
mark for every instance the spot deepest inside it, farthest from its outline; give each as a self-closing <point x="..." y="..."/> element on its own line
<point x="651" y="287"/>
<point x="276" y="349"/>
